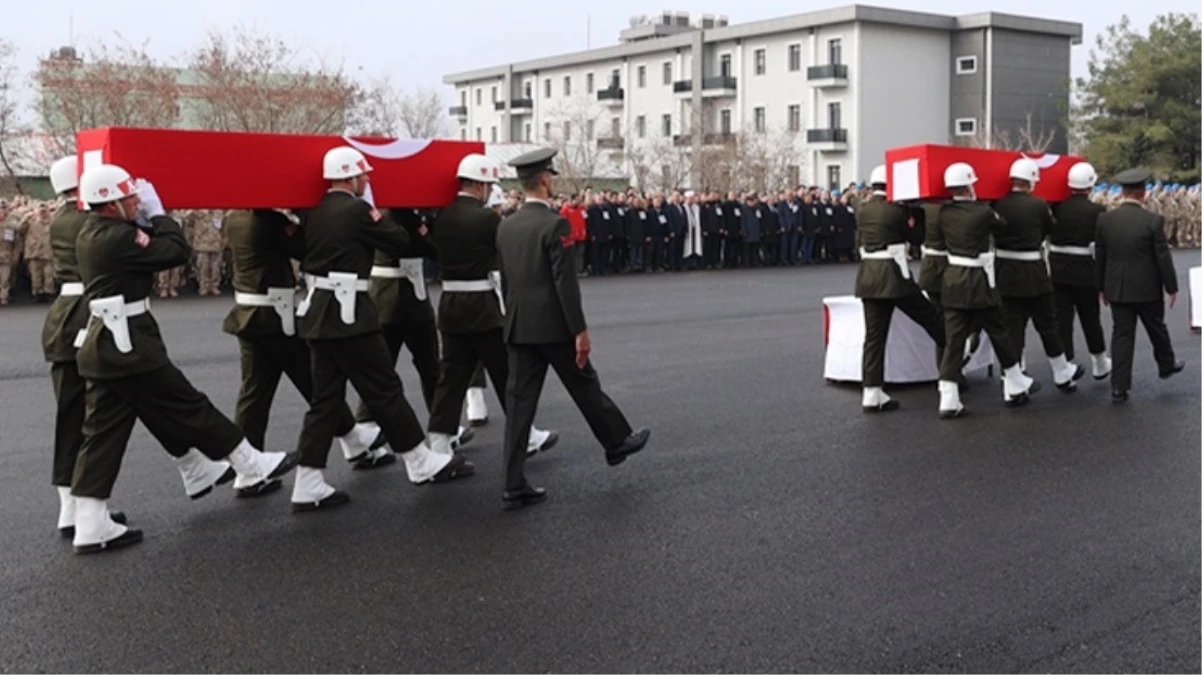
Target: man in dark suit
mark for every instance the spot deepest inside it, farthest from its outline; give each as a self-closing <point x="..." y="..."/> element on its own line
<point x="544" y="326"/>
<point x="1134" y="268"/>
<point x="1074" y="274"/>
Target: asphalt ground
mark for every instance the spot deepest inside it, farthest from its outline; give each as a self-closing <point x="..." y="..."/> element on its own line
<point x="768" y="526"/>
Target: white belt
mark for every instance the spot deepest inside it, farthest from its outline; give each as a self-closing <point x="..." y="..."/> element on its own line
<point x="114" y="311"/>
<point x="71" y="289"/>
<point x="933" y="251"/>
<point x="412" y="269"/>
<point x="894" y="252"/>
<point x="1083" y="251"/>
<point x="1027" y="256"/>
<point x="282" y="299"/>
<point x="985" y="261"/>
<point x="345" y="285"/>
<point x="491" y="284"/>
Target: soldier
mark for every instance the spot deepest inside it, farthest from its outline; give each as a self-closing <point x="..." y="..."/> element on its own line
<point x="969" y="294"/>
<point x="1023" y="279"/>
<point x="37" y="253"/>
<point x="1070" y="252"/>
<point x="264" y="243"/>
<point x="339" y="321"/>
<point x="1134" y="268"/>
<point x="11" y="226"/>
<point x="544" y="326"/>
<point x="209" y="243"/>
<point x="124" y="360"/>
<point x="883" y="284"/>
<point x="477" y="408"/>
<point x="469" y="311"/>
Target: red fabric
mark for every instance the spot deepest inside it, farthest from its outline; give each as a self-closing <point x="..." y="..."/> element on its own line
<point x="575" y="216"/>
<point x="992" y="167"/>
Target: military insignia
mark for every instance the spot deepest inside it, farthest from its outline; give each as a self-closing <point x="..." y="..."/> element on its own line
<point x="423" y="230"/>
<point x="375" y="215"/>
<point x="142" y="239"/>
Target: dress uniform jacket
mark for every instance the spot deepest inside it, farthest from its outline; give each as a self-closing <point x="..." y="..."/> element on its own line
<point x="930" y="274"/>
<point x="1133" y="259"/>
<point x="965" y="228"/>
<point x="117" y="258"/>
<point x="753" y="221"/>
<point x="69" y="314"/>
<point x="1076" y="224"/>
<point x="711" y="222"/>
<point x="342" y="234"/>
<point x="264" y="244"/>
<point x="1026" y="221"/>
<point x="733" y="213"/>
<point x="542" y="295"/>
<point x="465" y="236"/>
<point x="879" y="225"/>
<point x="395" y="299"/>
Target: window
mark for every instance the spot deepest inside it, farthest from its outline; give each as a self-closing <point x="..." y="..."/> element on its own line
<point x="794" y="175"/>
<point x="665" y="175"/>
<point x="590" y="128"/>
<point x="761" y="61"/>
<point x="526" y="132"/>
<point x="642" y="76"/>
<point x="588" y="83"/>
<point x="463" y="134"/>
<point x="833" y="177"/>
<point x="463" y="98"/>
<point x="794" y="118"/>
<point x="567" y="85"/>
<point x="834" y="51"/>
<point x="494" y="93"/>
<point x="725" y="122"/>
<point x="966" y="65"/>
<point x="666" y="124"/>
<point x="528" y="89"/>
<point x="615" y="78"/>
<point x="640" y="126"/>
<point x="834" y="115"/>
<point x="794" y="58"/>
<point x="546" y="131"/>
<point x="966" y="126"/>
<point x="479" y="134"/>
<point x="493" y="134"/>
<point x="667" y="72"/>
<point x="615" y="127"/>
<point x="547" y="88"/>
<point x="724" y="65"/>
<point x="479" y="96"/>
<point x="761" y="122"/>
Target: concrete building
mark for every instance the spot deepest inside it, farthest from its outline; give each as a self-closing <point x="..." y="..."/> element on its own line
<point x="834" y="88"/>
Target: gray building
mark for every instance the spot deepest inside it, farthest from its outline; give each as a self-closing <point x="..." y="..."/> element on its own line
<point x="835" y="88"/>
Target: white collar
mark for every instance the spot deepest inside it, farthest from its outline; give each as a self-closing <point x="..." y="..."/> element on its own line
<point x="535" y="200"/>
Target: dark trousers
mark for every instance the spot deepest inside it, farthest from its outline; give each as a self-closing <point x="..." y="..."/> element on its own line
<point x="734" y="251"/>
<point x="166" y="403"/>
<point x="527" y="371"/>
<point x="807" y="248"/>
<point x="1081" y="301"/>
<point x="962" y="324"/>
<point x="711" y="250"/>
<point x="461" y="355"/>
<point x="264" y="361"/>
<point x="1122" y="340"/>
<point x="478" y="381"/>
<point x="1041" y="311"/>
<point x="601" y="263"/>
<point x="364" y="360"/>
<point x="69" y="390"/>
<point x="676" y="247"/>
<point x="581" y="249"/>
<point x="751" y="253"/>
<point x="422" y="340"/>
<point x="771" y="249"/>
<point x="788" y="248"/>
<point x="620" y="252"/>
<point x="648" y="259"/>
<point x="878" y="314"/>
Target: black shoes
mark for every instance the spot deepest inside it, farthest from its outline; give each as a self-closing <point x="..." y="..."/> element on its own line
<point x="633" y="443"/>
<point x="527" y="496"/>
<point x="1119" y="396"/>
<point x="1178" y="366"/>
<point x="887" y="406"/>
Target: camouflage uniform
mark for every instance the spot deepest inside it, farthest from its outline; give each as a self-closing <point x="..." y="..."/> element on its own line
<point x="38" y="254"/>
<point x="208" y="243"/>
<point x="168" y="282"/>
<point x="11" y="228"/>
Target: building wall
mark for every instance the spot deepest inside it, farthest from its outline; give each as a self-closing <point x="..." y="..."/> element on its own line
<point x="1030" y="75"/>
<point x="967" y="90"/>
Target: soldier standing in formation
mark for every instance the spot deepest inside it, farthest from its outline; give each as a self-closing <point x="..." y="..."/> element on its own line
<point x="1074" y="275"/>
<point x="883" y="284"/>
<point x="38" y="255"/>
<point x="1135" y="269"/>
<point x="11" y="226"/>
<point x="209" y="242"/>
<point x="545" y="326"/>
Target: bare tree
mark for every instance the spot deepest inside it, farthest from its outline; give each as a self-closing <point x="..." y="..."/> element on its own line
<point x="575" y="126"/>
<point x="119" y="85"/>
<point x="1024" y="138"/>
<point x="11" y="127"/>
<point x="422" y="113"/>
<point x="377" y="110"/>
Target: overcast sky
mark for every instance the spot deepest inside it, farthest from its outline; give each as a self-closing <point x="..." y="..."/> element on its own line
<point x="416" y="42"/>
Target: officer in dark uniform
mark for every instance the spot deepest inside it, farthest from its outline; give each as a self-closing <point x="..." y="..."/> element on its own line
<point x="884" y="283"/>
<point x="1134" y="268"/>
<point x="969" y="293"/>
<point x="732" y="210"/>
<point x="1074" y="275"/>
<point x="544" y="326"/>
<point x="339" y="320"/>
<point x="1023" y="278"/>
<point x="263" y="244"/>
<point x="934" y="255"/>
<point x="712" y="226"/>
<point x="124" y="360"/>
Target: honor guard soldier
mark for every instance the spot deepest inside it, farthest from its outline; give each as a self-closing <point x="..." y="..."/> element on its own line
<point x="477" y="408"/>
<point x="264" y="243"/>
<point x="470" y="313"/>
<point x="544" y="326"/>
<point x="339" y="320"/>
<point x="124" y="360"/>
<point x="969" y="292"/>
<point x="1074" y="275"/>
<point x="1134" y="268"/>
<point x="1023" y="276"/>
<point x="884" y="283"/>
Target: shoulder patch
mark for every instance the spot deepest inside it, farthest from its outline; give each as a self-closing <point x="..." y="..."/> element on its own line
<point x="141" y="238"/>
<point x="375" y="214"/>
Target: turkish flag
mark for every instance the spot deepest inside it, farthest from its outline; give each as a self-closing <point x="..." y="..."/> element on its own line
<point x="916" y="172"/>
<point x="223" y="170"/>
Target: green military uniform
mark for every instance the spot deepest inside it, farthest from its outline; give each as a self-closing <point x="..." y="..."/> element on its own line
<point x="1074" y="275"/>
<point x="543" y="317"/>
<point x="883" y="283"/>
<point x="934" y="255"/>
<point x="1135" y="269"/>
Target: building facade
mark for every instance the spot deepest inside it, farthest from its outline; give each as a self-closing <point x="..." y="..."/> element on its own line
<point x="827" y="91"/>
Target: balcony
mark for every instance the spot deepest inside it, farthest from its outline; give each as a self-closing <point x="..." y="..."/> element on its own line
<point x="613" y="96"/>
<point x="611" y="143"/>
<point x="722" y="86"/>
<point x="830" y="75"/>
<point x="827" y="140"/>
<point x="521" y="106"/>
<point x="719" y="138"/>
<point x="682" y="88"/>
<point x="499" y="105"/>
<point x="682" y="140"/>
<point x="459" y="111"/>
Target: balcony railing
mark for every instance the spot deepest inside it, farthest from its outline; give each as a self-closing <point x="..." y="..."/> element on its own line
<point x="521" y="104"/>
<point x="499" y="105"/>
<point x="826" y="135"/>
<point x="681" y="86"/>
<point x="831" y="71"/>
<point x="611" y="94"/>
<point x="720" y="82"/>
<point x="611" y="143"/>
<point x="719" y="138"/>
<point x="459" y="110"/>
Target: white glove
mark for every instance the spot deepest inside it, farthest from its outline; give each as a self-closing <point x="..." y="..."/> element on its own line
<point x="367" y="196"/>
<point x="149" y="204"/>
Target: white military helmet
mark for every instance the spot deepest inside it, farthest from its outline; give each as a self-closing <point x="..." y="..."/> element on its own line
<point x="105" y="183"/>
<point x="496" y="197"/>
<point x="1025" y="169"/>
<point x="879" y="175"/>
<point x="959" y="174"/>
<point x="1081" y="176"/>
<point x="479" y="168"/>
<point x="64" y="174"/>
<point x="343" y="163"/>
